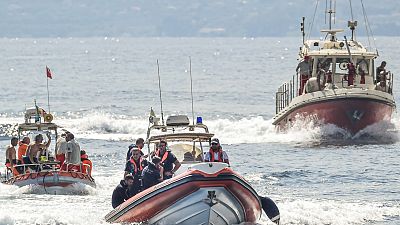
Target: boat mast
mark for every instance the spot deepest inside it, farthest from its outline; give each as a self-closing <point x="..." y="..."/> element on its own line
<point x="159" y="88"/>
<point x="330" y="12"/>
<point x="302" y="28"/>
<point x="191" y="86"/>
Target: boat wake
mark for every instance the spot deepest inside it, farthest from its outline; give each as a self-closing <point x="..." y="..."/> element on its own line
<point x="256" y="129"/>
<point x="329" y="211"/>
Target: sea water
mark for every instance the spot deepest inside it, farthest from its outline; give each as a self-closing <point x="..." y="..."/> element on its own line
<point x="102" y="91"/>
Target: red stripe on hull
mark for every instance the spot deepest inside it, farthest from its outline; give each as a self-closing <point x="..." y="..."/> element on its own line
<point x="38" y="178"/>
<point x="350" y="114"/>
<point x="151" y="207"/>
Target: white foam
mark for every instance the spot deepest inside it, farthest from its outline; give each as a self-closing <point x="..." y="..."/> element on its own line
<point x="316" y="212"/>
<point x="256" y="129"/>
<point x="6" y="220"/>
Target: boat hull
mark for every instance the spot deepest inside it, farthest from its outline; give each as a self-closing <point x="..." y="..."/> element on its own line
<point x="193" y="198"/>
<point x="352" y="114"/>
<point x="54" y="182"/>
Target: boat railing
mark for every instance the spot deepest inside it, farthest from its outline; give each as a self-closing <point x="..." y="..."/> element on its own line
<point x="286" y="92"/>
<point x="44" y="166"/>
<point x="23" y="169"/>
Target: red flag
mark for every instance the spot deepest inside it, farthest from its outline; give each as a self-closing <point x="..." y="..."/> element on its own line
<point x="48" y="72"/>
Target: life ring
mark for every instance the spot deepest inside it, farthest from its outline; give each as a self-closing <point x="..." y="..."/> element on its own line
<point x="343" y="65"/>
<point x="48" y="117"/>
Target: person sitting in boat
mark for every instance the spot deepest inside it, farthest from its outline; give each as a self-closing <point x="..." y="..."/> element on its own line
<point x="11" y="156"/>
<point x="152" y="174"/>
<point x="122" y="192"/>
<point x="139" y="144"/>
<point x="61" y="147"/>
<point x="36" y="149"/>
<point x="381" y="72"/>
<point x="216" y="154"/>
<point x="87" y="165"/>
<point x="168" y="160"/>
<point x="304" y="68"/>
<point x="135" y="166"/>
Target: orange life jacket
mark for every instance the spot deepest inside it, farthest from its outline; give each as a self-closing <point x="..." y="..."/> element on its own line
<point x="22" y="150"/>
<point x="165" y="156"/>
<point x="85" y="167"/>
<point x="136" y="166"/>
<point x="220" y="155"/>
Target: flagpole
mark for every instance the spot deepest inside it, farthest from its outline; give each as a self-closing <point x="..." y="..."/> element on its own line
<point x="48" y="94"/>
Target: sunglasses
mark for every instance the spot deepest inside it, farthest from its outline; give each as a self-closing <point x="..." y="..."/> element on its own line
<point x="135" y="154"/>
<point x="214" y="143"/>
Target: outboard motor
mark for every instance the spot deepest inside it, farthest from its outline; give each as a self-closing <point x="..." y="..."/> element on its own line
<point x="270" y="209"/>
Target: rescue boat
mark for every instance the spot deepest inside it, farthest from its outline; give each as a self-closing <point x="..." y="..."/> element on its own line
<point x="200" y="192"/>
<point x="47" y="176"/>
<point x="342" y="87"/>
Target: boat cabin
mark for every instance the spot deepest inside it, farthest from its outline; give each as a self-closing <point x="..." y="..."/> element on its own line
<point x="187" y="141"/>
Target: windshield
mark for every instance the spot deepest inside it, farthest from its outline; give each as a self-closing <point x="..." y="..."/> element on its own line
<point x="186" y="152"/>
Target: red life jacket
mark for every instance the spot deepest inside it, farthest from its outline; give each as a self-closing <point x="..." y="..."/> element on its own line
<point x="212" y="159"/>
<point x="136" y="166"/>
<point x="165" y="156"/>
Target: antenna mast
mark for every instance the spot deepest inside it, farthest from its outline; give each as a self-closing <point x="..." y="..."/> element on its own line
<point x="159" y="88"/>
<point x="302" y="28"/>
<point x="330" y="11"/>
<point x="191" y="86"/>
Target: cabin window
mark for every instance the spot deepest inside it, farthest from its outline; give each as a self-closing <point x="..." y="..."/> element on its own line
<point x="325" y="64"/>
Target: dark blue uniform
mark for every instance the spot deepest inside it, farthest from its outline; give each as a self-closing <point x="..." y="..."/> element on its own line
<point x="120" y="194"/>
<point x="168" y="163"/>
<point x="130" y="167"/>
<point x="150" y="176"/>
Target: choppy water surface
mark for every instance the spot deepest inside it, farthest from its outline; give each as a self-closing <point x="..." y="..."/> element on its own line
<point x="103" y="89"/>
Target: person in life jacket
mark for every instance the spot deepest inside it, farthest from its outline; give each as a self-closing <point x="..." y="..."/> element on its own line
<point x="135" y="166"/>
<point x="23" y="146"/>
<point x="168" y="160"/>
<point x="216" y="154"/>
<point x="11" y="156"/>
<point x="138" y="144"/>
<point x="122" y="192"/>
<point x="87" y="165"/>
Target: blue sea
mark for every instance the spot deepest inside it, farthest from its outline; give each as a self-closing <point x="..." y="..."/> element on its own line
<point x="102" y="91"/>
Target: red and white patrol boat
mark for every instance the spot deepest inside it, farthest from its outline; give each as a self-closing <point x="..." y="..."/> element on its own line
<point x="200" y="193"/>
<point x="341" y="87"/>
<point x="46" y="177"/>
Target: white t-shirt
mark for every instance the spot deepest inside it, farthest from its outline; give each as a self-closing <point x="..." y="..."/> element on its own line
<point x="73" y="152"/>
<point x="61" y="146"/>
